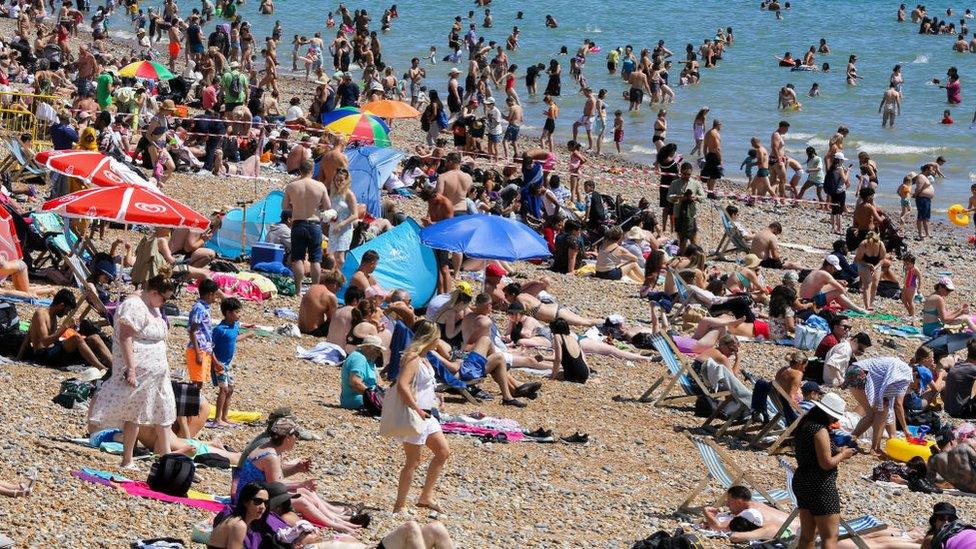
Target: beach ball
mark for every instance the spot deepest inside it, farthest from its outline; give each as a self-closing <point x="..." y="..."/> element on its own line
<point x="958" y="215"/>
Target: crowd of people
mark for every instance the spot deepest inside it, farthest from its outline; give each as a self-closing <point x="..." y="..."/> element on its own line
<point x="393" y="351"/>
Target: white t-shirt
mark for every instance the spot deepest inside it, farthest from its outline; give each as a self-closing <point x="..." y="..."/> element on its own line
<point x="294" y="112"/>
<point x="435" y="304"/>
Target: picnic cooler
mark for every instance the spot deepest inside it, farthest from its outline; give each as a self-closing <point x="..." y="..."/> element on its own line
<point x="265" y="252"/>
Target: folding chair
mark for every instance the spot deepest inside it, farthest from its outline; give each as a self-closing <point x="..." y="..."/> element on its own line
<point x="402" y="336"/>
<point x="732" y="240"/>
<point x="59" y="239"/>
<point x="783" y="423"/>
<point x="849" y="529"/>
<point x="684" y="296"/>
<point x="92" y="302"/>
<point x="17" y="165"/>
<point x="677" y="374"/>
<point x="724" y="470"/>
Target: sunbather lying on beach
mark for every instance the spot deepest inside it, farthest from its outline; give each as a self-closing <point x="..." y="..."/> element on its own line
<point x="546" y="312"/>
<point x="526" y="331"/>
<point x="189" y="447"/>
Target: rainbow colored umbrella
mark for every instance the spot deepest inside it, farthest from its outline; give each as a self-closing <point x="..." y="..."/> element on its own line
<point x="147" y="70"/>
<point x="358" y="126"/>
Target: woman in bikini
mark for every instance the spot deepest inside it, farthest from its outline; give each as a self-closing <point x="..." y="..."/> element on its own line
<point x="660" y="129"/>
<point x="546" y="312"/>
<point x="870" y="253"/>
<point x="526" y="331"/>
<point x="698" y="130"/>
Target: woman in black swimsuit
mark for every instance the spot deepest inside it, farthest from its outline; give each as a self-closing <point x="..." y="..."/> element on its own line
<point x="568" y="361"/>
<point x="449" y="317"/>
<point x="666" y="165"/>
<point x="870" y="253"/>
<point x="660" y="129"/>
<point x="554" y="87"/>
<point x="252" y="506"/>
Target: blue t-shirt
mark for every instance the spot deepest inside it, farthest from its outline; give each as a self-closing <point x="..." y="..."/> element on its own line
<point x="224" y="337"/>
<point x="63" y="136"/>
<point x="356" y="364"/>
<point x="201" y="326"/>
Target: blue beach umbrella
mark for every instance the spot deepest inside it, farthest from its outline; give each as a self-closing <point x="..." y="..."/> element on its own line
<point x="486" y="237"/>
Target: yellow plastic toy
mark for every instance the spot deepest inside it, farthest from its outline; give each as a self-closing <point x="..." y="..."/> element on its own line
<point x="901" y="450"/>
<point x="958" y="215"/>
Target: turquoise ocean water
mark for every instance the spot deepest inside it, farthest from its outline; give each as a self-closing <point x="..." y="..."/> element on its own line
<point x="742" y="91"/>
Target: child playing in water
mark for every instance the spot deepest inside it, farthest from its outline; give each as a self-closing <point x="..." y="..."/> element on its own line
<point x="947" y="117"/>
<point x="749" y="163"/>
<point x="913" y="281"/>
<point x="432" y="55"/>
<point x="814" y="90"/>
<point x="618" y="129"/>
<point x="576" y="161"/>
<point x="904" y="191"/>
<point x="330" y="21"/>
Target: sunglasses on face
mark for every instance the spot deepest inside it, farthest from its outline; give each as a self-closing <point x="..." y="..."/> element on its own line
<point x="259" y="501"/>
<point x="845" y="326"/>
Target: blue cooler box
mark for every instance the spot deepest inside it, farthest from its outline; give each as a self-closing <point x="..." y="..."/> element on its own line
<point x="264" y="252"/>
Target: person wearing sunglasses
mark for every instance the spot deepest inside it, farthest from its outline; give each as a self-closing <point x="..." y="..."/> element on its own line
<point x="234" y="529"/>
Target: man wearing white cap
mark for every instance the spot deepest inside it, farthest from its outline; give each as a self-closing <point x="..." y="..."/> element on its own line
<point x="493" y="121"/>
<point x="821" y="287"/>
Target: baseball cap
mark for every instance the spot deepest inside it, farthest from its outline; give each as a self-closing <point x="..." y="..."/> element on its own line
<point x="833" y="261"/>
<point x="489" y="101"/>
<point x="494" y="271"/>
<point x="811" y="387"/>
<point x="947" y="282"/>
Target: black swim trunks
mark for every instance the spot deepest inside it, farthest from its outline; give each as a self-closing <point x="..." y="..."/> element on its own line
<point x="321" y="331"/>
<point x="636" y="95"/>
<point x="771" y="263"/>
<point x="713" y="167"/>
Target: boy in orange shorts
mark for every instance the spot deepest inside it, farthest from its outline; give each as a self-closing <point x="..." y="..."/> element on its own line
<point x="199" y="350"/>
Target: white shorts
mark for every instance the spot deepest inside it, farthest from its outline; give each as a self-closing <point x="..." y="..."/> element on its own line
<point x="585" y="121"/>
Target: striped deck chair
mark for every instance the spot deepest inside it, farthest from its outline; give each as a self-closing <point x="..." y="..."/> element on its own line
<point x="17" y="164"/>
<point x="732" y="240"/>
<point x="723" y="469"/>
<point x="684" y="296"/>
<point x="93" y="303"/>
<point x="849" y="529"/>
<point x="787" y="417"/>
<point x="677" y="373"/>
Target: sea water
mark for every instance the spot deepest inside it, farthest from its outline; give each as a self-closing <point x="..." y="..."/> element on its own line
<point x="741" y="91"/>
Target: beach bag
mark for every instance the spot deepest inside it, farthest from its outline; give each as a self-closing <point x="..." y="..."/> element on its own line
<point x="9" y="321"/>
<point x="663" y="540"/>
<point x="373" y="401"/>
<point x="73" y="392"/>
<point x="236" y="88"/>
<point x="807" y="337"/>
<point x="172" y="474"/>
<point x="396" y="420"/>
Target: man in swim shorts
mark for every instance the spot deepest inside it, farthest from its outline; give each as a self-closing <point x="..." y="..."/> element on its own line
<point x="514" y="118"/>
<point x="638" y="83"/>
<point x="586" y="121"/>
<point x="712" y="171"/>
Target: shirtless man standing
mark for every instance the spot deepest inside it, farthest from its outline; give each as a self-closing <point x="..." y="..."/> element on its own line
<point x="638" y="85"/>
<point x="319" y="305"/>
<point x="341" y="321"/>
<point x="777" y="160"/>
<point x="306" y="198"/>
<point x="759" y="186"/>
<point x="515" y="118"/>
<point x="333" y="159"/>
<point x="416" y="74"/>
<point x="712" y="171"/>
<point x="589" y="113"/>
<point x="821" y="287"/>
<point x="890" y="106"/>
<point x="454" y="183"/>
<point x="766" y="246"/>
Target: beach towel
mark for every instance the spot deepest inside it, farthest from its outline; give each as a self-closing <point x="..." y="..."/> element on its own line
<point x="324" y="352"/>
<point x="140" y="489"/>
<point x="238" y="416"/>
<point x="882" y="317"/>
<point x="481" y="432"/>
<point x="910" y="332"/>
<point x="268" y="288"/>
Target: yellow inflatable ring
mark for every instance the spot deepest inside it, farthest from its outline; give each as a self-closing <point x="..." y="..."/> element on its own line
<point x="901" y="450"/>
<point x="958" y="215"/>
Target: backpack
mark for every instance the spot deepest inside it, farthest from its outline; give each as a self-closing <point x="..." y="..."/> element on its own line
<point x="73" y="392"/>
<point x="663" y="540"/>
<point x="236" y="88"/>
<point x="9" y="321"/>
<point x="172" y="474"/>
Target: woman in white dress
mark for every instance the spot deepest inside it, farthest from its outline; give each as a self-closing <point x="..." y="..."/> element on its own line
<point x="139" y="391"/>
<point x="344" y="203"/>
<point x="416" y="386"/>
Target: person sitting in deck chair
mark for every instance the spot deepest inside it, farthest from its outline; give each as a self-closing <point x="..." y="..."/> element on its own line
<point x="56" y="346"/>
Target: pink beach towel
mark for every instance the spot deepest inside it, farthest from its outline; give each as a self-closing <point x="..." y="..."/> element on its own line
<point x="142" y="490"/>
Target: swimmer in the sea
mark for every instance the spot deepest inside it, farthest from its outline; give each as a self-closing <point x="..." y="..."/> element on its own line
<point x="890" y="106"/>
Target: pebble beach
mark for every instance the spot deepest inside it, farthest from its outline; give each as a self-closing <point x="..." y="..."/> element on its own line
<point x="622" y="486"/>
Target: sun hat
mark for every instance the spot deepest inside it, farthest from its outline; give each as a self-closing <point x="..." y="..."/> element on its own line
<point x="635" y="233"/>
<point x="90" y="374"/>
<point x="454" y="70"/>
<point x="278" y="493"/>
<point x="489" y="101"/>
<point x="373" y="341"/>
<point x="284" y="427"/>
<point x="833" y="261"/>
<point x="832" y="404"/>
<point x="751" y="261"/>
<point x="947" y="282"/>
<point x="839" y="156"/>
<point x="168" y="105"/>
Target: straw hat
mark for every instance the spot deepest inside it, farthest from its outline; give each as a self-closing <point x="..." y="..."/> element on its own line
<point x="751" y="261"/>
<point x="635" y="233"/>
<point x="372" y="341"/>
<point x="168" y="105"/>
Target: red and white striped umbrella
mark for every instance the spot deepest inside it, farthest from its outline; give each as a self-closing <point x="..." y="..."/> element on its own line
<point x="92" y="167"/>
<point x="127" y="204"/>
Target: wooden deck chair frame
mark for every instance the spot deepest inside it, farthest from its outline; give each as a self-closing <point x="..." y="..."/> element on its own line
<point x="786" y="431"/>
<point x="445" y="388"/>
<point x="17" y="164"/>
<point x="684" y="296"/>
<point x="683" y="374"/>
<point x="92" y="302"/>
<point x="741" y="411"/>
<point x="732" y="240"/>
<point x="847" y="532"/>
<point x="735" y="474"/>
